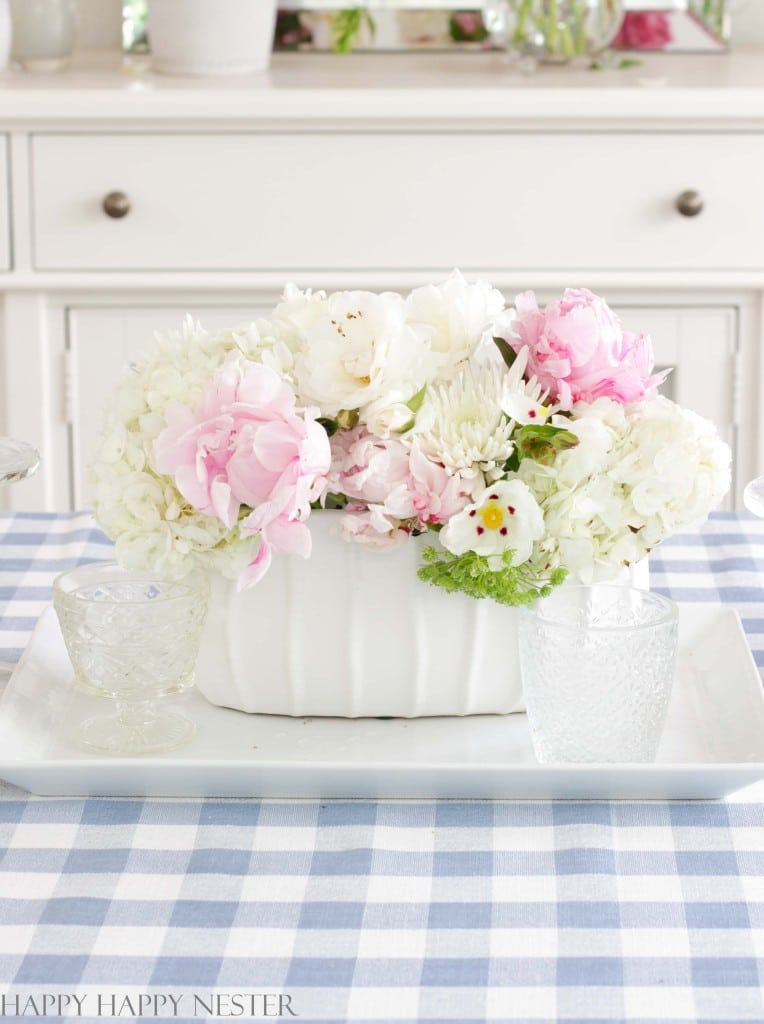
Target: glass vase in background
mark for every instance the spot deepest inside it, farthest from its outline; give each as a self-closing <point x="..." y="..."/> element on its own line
<point x="553" y="31"/>
<point x="44" y="33"/>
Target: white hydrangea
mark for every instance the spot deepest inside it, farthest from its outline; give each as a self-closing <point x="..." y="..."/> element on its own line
<point x="640" y="473"/>
<point x="142" y="511"/>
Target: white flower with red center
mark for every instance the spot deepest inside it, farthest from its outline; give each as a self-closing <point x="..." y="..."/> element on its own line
<point x="521" y="400"/>
<point x="505" y="516"/>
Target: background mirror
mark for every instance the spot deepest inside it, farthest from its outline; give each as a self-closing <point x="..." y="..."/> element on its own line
<point x="667" y="25"/>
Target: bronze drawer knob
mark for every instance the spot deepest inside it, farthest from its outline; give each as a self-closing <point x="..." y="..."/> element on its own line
<point x="689" y="203"/>
<point x="116" y="205"/>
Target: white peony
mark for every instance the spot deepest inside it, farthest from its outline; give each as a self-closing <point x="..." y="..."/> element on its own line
<point x="388" y="416"/>
<point x="357" y="350"/>
<point x="456" y="315"/>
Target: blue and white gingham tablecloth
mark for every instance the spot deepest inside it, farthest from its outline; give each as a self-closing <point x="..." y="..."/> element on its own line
<point x="382" y="910"/>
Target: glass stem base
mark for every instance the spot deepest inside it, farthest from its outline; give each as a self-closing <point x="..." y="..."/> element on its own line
<point x="136" y="728"/>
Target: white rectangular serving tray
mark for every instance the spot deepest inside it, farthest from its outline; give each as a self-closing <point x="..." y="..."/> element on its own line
<point x="713" y="743"/>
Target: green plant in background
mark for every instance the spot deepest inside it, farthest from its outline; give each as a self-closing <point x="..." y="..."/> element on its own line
<point x="135" y="16"/>
<point x="347" y="25"/>
<point x="564" y="29"/>
<point x="714" y="15"/>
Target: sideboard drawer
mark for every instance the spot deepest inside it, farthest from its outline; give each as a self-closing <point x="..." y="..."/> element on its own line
<point x="398" y="201"/>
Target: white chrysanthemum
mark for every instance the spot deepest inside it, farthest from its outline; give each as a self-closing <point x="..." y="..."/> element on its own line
<point x="639" y="474"/>
<point x="456" y="315"/>
<point x="462" y="425"/>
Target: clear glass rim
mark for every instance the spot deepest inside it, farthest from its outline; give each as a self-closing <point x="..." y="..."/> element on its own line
<point x="669" y="610"/>
<point x="194" y="585"/>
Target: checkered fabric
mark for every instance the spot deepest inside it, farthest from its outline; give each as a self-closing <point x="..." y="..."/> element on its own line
<point x="382" y="910"/>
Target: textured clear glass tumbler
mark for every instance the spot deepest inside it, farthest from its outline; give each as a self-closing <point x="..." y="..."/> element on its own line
<point x="598" y="664"/>
<point x="132" y="637"/>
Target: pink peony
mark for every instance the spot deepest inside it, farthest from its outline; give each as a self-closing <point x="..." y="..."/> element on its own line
<point x="578" y="350"/>
<point x="246" y="445"/>
<point x="644" y="30"/>
<point x="390" y="483"/>
<point x="370" y="527"/>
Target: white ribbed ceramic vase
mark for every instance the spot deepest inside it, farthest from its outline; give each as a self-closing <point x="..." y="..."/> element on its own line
<point x="351" y="633"/>
<point x="211" y="37"/>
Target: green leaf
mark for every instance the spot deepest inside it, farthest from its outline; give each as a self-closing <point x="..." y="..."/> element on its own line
<point x="347" y="419"/>
<point x="629" y="62"/>
<point x="330" y="501"/>
<point x="330" y="426"/>
<point x="508" y="354"/>
<point x="541" y="442"/>
<point x="415" y="403"/>
<point x="471" y="574"/>
<point x="347" y="24"/>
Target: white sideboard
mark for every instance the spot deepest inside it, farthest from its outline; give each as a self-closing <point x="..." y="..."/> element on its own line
<point x="132" y="199"/>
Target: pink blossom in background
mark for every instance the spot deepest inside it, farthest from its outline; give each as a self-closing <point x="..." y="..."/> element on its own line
<point x="644" y="30"/>
<point x="247" y="445"/>
<point x="579" y="352"/>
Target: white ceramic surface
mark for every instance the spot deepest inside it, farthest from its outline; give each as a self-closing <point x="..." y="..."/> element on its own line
<point x="352" y="632"/>
<point x="713" y="742"/>
<point x="211" y="37"/>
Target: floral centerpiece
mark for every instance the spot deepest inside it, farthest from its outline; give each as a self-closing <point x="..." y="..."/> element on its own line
<point x="520" y="443"/>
